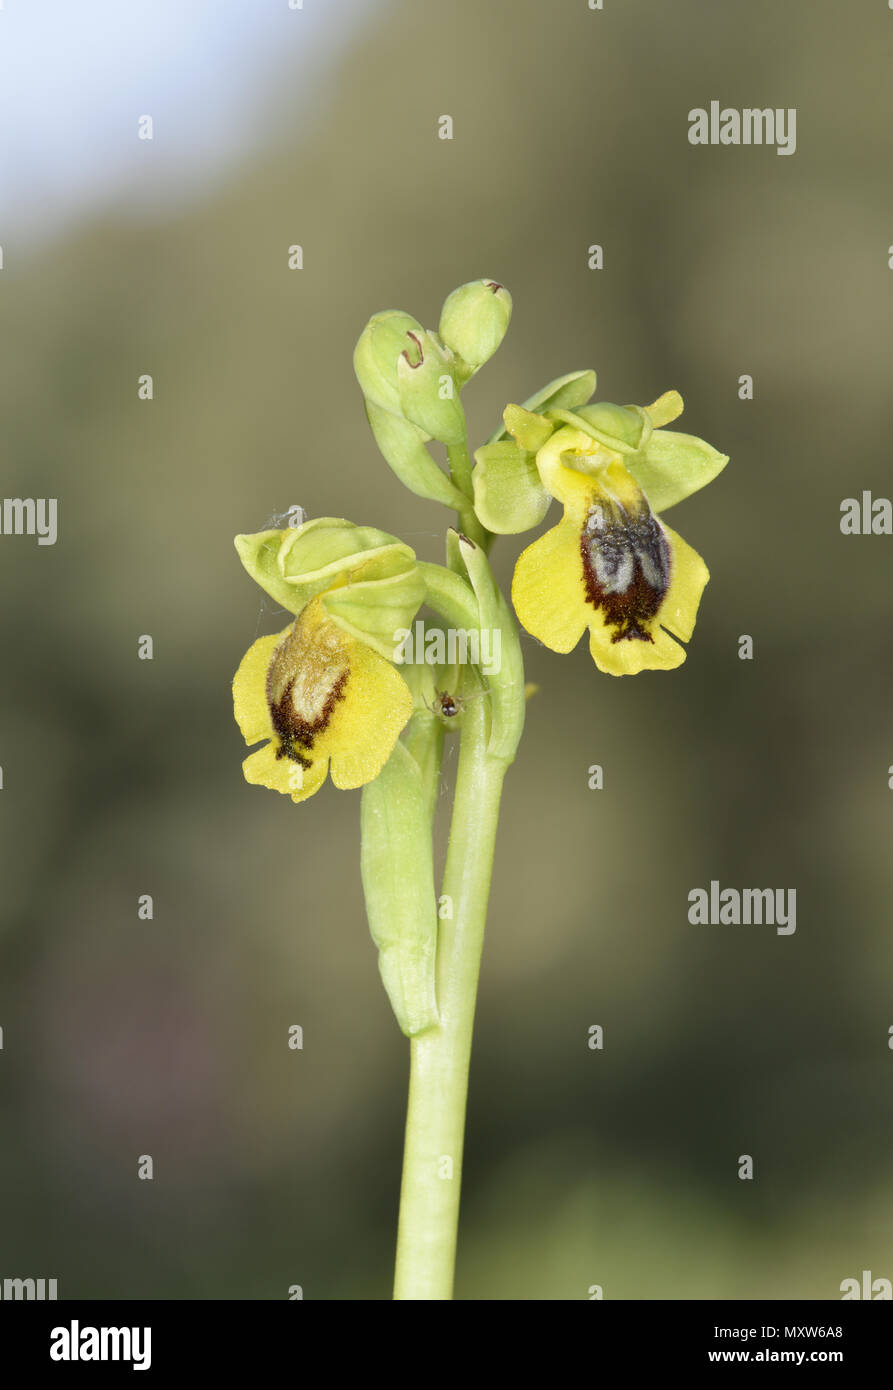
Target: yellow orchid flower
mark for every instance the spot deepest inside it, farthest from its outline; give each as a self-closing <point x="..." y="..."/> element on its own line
<point x="322" y="699"/>
<point x="610" y="565"/>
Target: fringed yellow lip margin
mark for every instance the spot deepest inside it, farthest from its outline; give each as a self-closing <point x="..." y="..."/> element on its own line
<point x="343" y="693"/>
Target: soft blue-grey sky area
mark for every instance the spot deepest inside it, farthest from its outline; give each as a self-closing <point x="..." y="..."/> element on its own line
<point x="76" y="76"/>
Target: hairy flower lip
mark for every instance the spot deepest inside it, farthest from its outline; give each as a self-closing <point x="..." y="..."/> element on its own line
<point x="322" y="701"/>
<point x="296" y="729"/>
<point x="625" y="546"/>
<point x="556" y="600"/>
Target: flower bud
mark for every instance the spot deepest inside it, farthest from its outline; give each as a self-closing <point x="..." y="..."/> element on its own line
<point x="411" y="391"/>
<point x="377" y="353"/>
<point x="428" y="390"/>
<point x="474" y="320"/>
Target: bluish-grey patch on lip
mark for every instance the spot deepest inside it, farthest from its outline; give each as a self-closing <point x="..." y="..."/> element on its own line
<point x="626" y="566"/>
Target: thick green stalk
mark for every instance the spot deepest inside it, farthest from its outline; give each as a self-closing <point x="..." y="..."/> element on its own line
<point x="438" y="1087"/>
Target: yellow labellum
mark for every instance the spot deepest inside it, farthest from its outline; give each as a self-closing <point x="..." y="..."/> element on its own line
<point x="323" y="700"/>
<point x="610" y="565"/>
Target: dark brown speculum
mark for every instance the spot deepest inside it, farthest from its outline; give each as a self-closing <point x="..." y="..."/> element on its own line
<point x="297" y="734"/>
<point x="304" y="684"/>
<point x="626" y="567"/>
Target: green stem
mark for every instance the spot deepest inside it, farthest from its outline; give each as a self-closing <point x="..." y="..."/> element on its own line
<point x="438" y="1087"/>
<point x="460" y="471"/>
<point x="460" y="467"/>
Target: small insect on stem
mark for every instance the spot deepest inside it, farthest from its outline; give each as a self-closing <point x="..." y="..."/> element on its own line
<point x="448" y="705"/>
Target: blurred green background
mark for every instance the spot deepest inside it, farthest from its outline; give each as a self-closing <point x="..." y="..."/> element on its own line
<point x="122" y="777"/>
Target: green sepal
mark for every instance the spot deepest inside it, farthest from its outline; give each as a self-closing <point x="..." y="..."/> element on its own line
<point x="397" y="866"/>
<point x="296" y="564"/>
<point x="403" y="445"/>
<point x="508" y="494"/>
<point x="564" y="393"/>
<point x="375" y="610"/>
<point x="673" y="466"/>
<point x="667" y="464"/>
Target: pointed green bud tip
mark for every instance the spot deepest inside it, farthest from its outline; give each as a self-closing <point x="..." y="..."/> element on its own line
<point x="386" y="337"/>
<point x="474" y="320"/>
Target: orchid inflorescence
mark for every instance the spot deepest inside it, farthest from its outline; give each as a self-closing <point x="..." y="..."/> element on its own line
<point x="342" y="691"/>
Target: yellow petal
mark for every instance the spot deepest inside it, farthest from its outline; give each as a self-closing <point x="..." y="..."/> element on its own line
<point x="665" y="409"/>
<point x="250" y="689"/>
<point x="264" y="769"/>
<point x="548" y="590"/>
<point x="366" y="724"/>
<point x="688" y="577"/>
